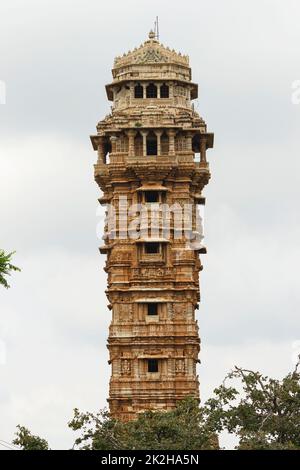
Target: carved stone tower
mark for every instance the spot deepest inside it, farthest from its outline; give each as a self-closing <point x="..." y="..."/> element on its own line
<point x="152" y="153"/>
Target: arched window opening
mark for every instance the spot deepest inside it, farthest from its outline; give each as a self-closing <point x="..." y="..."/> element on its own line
<point x="151" y="91"/>
<point x="164" y="144"/>
<point x="138" y="145"/>
<point x="151" y="144"/>
<point x="164" y="91"/>
<point x="138" y="91"/>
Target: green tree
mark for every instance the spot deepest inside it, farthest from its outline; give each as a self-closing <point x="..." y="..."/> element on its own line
<point x="182" y="428"/>
<point x="264" y="413"/>
<point x="27" y="441"/>
<point x="6" y="267"/>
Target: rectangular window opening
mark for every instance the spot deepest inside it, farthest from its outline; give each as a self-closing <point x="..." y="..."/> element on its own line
<point x="152" y="309"/>
<point x="152" y="248"/>
<point x="151" y="196"/>
<point x="152" y="365"/>
<point x="151" y="147"/>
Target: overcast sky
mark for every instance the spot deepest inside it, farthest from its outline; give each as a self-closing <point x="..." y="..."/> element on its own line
<point x="55" y="59"/>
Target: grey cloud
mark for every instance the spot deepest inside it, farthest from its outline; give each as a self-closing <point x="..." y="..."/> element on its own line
<point x="55" y="59"/>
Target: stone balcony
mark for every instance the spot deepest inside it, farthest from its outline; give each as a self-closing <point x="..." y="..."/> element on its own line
<point x="120" y="159"/>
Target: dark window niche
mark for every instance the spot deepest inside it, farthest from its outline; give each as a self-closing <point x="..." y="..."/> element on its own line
<point x="151" y="144"/>
<point x="138" y="91"/>
<point x="152" y="365"/>
<point x="151" y="196"/>
<point x="152" y="248"/>
<point x="152" y="309"/>
<point x="151" y="91"/>
<point x="164" y="91"/>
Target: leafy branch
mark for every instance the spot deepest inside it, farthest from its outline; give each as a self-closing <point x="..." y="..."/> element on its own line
<point x="6" y="267"/>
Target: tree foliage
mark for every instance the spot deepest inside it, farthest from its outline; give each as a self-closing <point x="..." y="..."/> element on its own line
<point x="182" y="428"/>
<point x="6" y="267"/>
<point x="264" y="413"/>
<point x="27" y="441"/>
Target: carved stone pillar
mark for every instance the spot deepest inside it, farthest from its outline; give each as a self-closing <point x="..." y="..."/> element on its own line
<point x="131" y="91"/>
<point x="158" y="90"/>
<point x="131" y="135"/>
<point x="171" y="90"/>
<point x="203" y="149"/>
<point x="189" y="142"/>
<point x="144" y="135"/>
<point x="144" y="85"/>
<point x="101" y="151"/>
<point x="171" y="134"/>
<point x="189" y="94"/>
<point x="113" y="141"/>
<point x="158" y="135"/>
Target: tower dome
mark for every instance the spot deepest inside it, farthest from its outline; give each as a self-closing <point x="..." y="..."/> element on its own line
<point x="151" y="61"/>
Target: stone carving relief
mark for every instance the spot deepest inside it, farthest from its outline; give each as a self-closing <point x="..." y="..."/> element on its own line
<point x="180" y="366"/>
<point x="125" y="367"/>
<point x="179" y="310"/>
<point x="125" y="313"/>
<point x="152" y="272"/>
<point x="170" y="310"/>
<point x="120" y="255"/>
<point x="151" y="55"/>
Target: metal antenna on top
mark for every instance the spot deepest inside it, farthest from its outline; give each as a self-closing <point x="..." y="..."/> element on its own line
<point x="156" y="29"/>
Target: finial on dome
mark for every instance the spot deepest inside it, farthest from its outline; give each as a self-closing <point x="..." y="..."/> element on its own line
<point x="152" y="34"/>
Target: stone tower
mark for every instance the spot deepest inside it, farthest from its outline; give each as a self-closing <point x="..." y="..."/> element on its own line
<point x="152" y="156"/>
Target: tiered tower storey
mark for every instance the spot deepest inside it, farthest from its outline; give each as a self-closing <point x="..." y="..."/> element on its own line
<point x="152" y="154"/>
